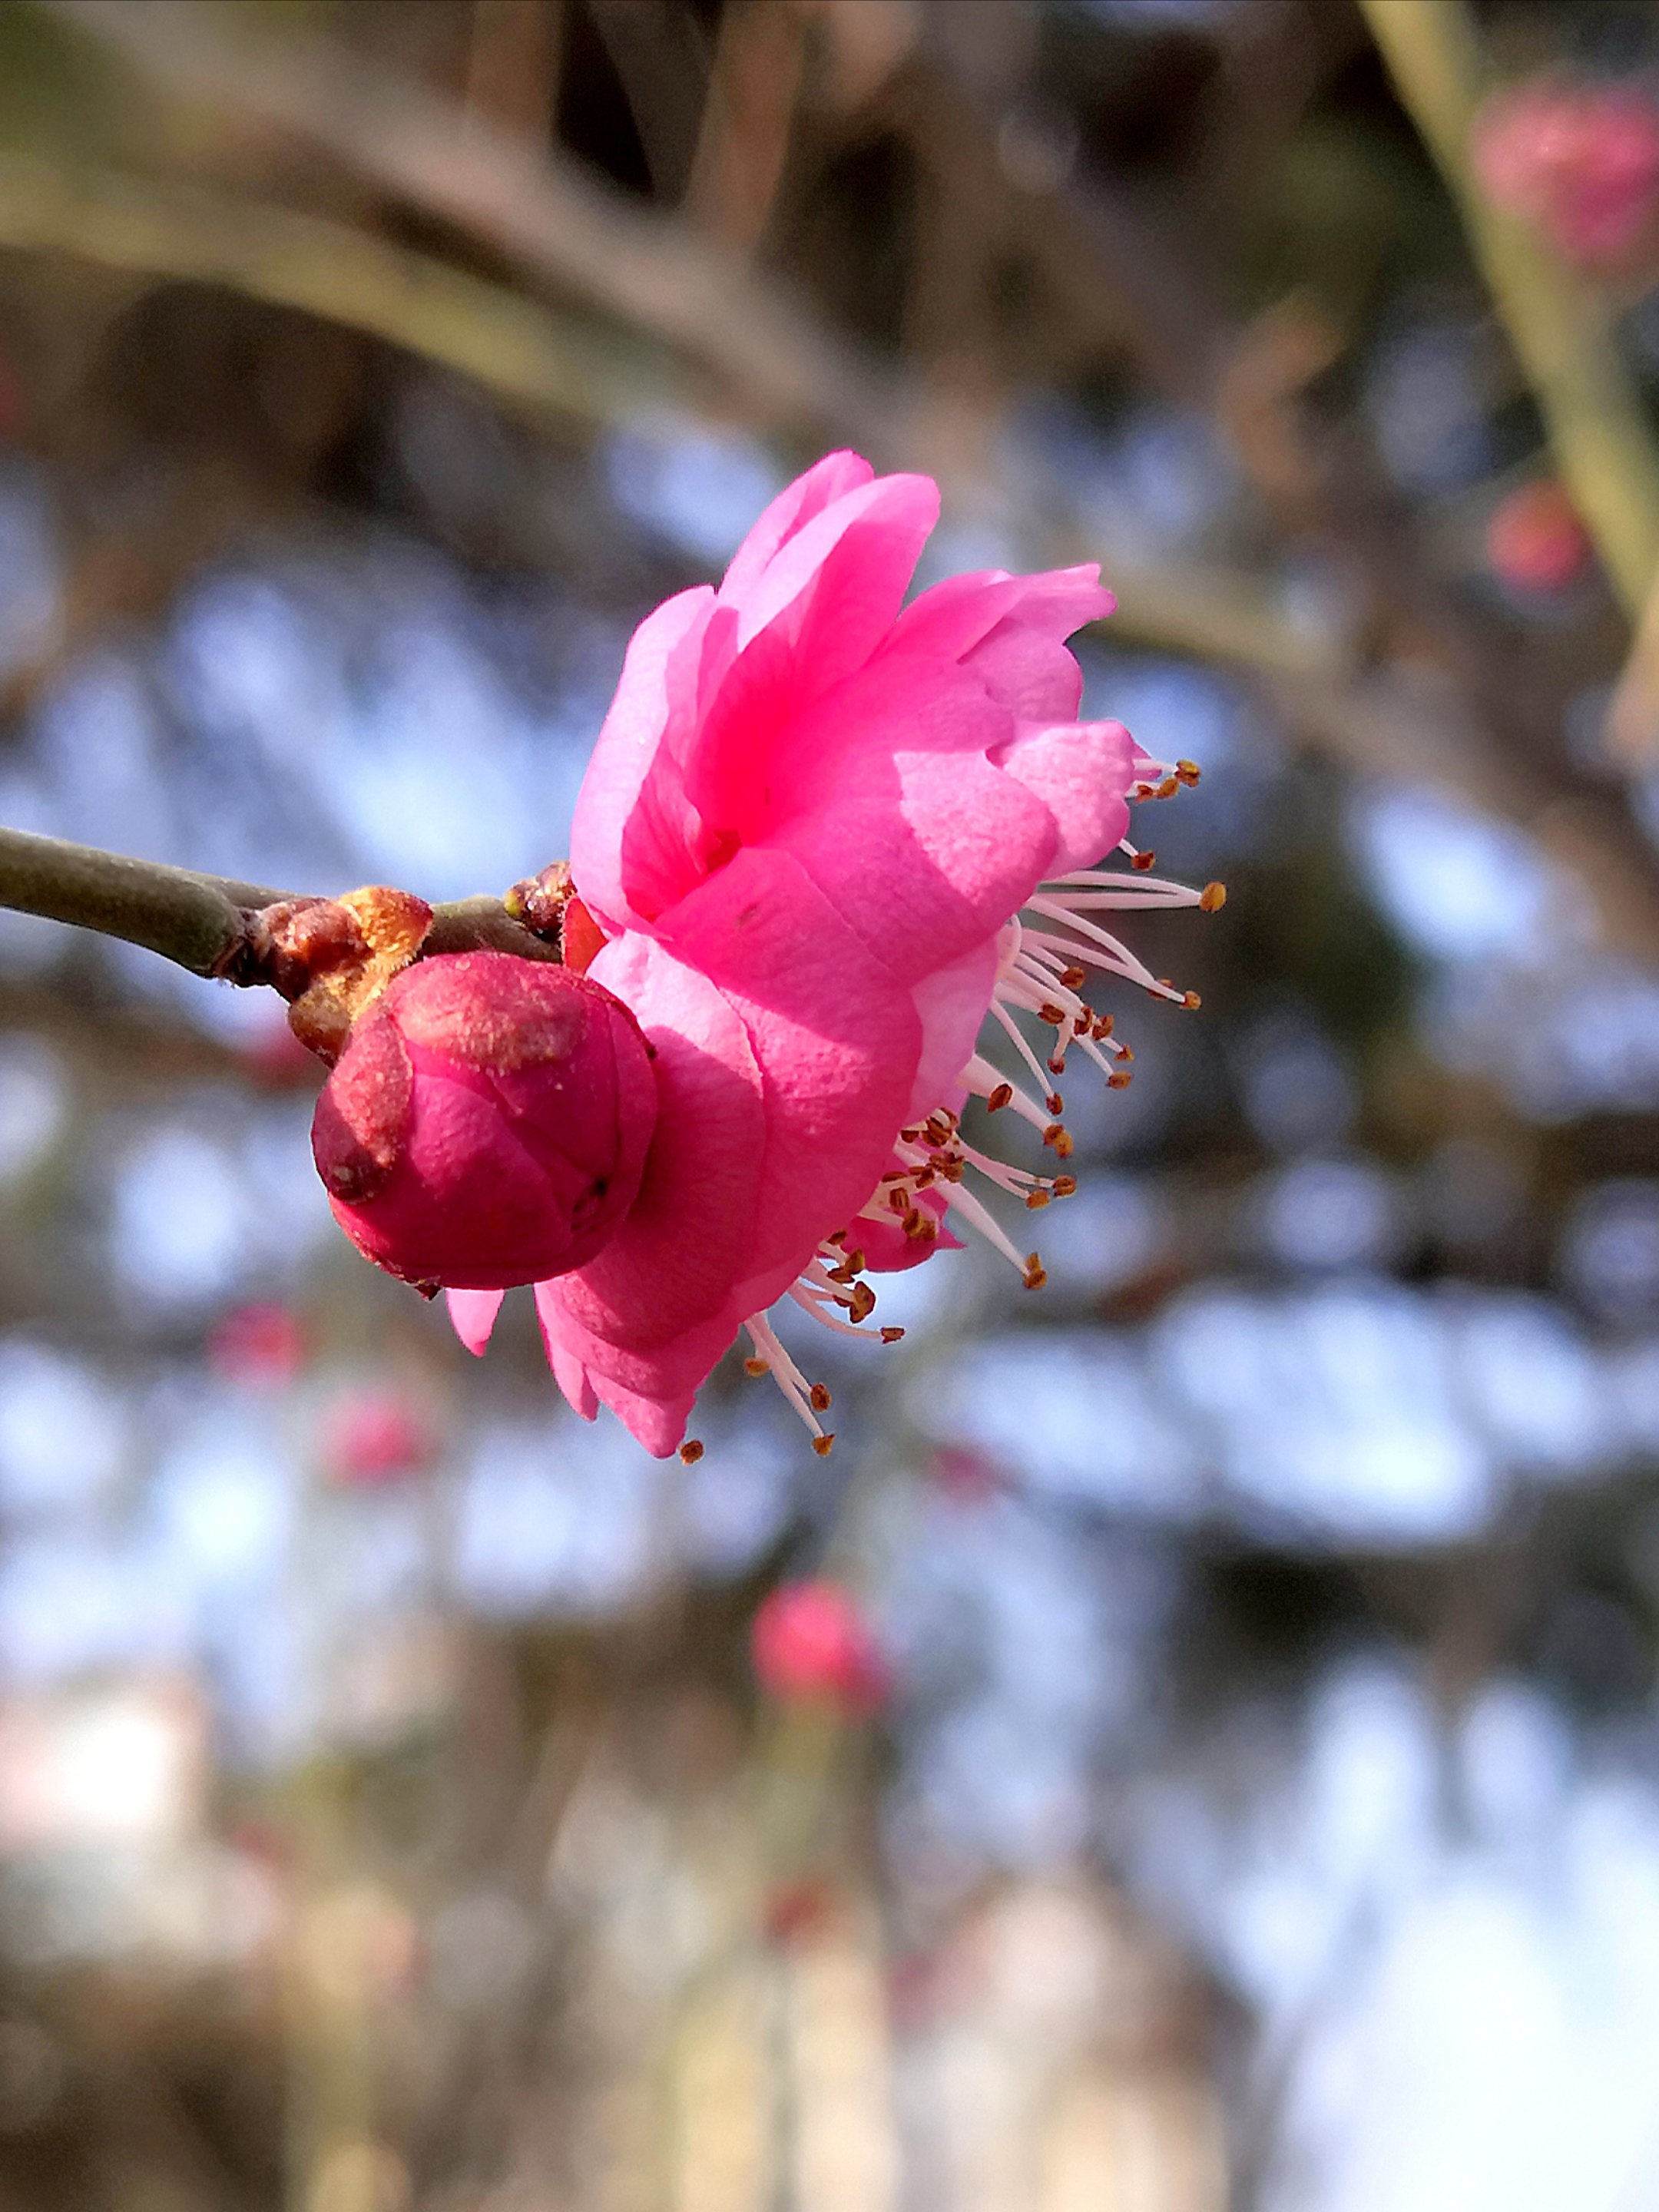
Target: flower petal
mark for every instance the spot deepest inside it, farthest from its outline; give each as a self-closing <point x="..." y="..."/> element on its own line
<point x="693" y="1225"/>
<point x="796" y="506"/>
<point x="814" y="616"/>
<point x="472" y="1316"/>
<point x="630" y="838"/>
<point x="1024" y="661"/>
<point x="787" y="1055"/>
<point x="952" y="1004"/>
<point x="836" y="1037"/>
<point x="923" y="853"/>
<point x="1081" y="771"/>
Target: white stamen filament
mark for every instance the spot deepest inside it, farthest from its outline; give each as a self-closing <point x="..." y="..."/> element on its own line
<point x="788" y="1377"/>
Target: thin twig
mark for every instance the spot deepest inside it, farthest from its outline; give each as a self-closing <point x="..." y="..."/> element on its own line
<point x="211" y="925"/>
<point x="196" y="922"/>
<point x="745" y="139"/>
<point x="540" y="208"/>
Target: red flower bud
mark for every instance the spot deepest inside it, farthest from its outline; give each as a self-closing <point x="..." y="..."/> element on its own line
<point x="812" y="1643"/>
<point x="487" y="1123"/>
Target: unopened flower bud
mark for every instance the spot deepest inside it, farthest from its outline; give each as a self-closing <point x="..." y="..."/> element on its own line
<point x="1579" y="161"/>
<point x="487" y="1123"/>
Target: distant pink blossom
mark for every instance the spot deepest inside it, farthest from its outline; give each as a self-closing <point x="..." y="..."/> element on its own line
<point x="811" y="1645"/>
<point x="376" y="1435"/>
<point x="488" y="1122"/>
<point x="1579" y="161"/>
<point x="1535" y="541"/>
<point x="259" y="1343"/>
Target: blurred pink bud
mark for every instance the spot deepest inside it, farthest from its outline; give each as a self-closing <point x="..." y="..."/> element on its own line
<point x="1535" y="541"/>
<point x="257" y="1344"/>
<point x="1582" y="163"/>
<point x="964" y="1476"/>
<point x="376" y="1436"/>
<point x="810" y="1643"/>
<point x="487" y="1123"/>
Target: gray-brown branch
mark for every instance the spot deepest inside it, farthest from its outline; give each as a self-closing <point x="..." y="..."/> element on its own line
<point x="211" y="925"/>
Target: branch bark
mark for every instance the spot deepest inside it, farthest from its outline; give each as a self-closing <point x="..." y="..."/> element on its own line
<point x="213" y="926"/>
<point x="198" y="921"/>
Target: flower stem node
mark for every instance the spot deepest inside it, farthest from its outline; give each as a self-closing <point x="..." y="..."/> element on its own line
<point x="548" y="906"/>
<point x="487" y="1123"/>
<point x="331" y="958"/>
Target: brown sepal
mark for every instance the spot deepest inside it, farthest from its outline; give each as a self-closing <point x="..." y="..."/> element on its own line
<point x="331" y="958"/>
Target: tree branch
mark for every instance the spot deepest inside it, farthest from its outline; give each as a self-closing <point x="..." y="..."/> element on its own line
<point x="211" y="925"/>
<point x="196" y="922"/>
<point x="531" y="355"/>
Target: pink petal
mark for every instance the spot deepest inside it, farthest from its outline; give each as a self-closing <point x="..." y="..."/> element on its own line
<point x="925" y="855"/>
<point x="568" y="1372"/>
<point x="842" y="579"/>
<point x="630" y="826"/>
<point x="1024" y="661"/>
<point x="1081" y="772"/>
<point x="836" y="1037"/>
<point x="888" y="1251"/>
<point x="952" y="1003"/>
<point x="693" y="1225"/>
<point x="472" y="1316"/>
<point x="950" y="617"/>
<point x="951" y="620"/>
<point x="788" y="1012"/>
<point x="659" y="1424"/>
<point x="796" y="506"/>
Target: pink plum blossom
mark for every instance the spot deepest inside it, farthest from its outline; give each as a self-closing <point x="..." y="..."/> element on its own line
<point x="259" y="1344"/>
<point x="809" y="821"/>
<point x="487" y="1123"/>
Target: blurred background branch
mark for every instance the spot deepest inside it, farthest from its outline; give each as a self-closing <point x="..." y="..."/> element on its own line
<point x="1561" y="329"/>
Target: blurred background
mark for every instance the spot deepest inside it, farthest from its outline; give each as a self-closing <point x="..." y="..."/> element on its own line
<point x="1200" y="1746"/>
